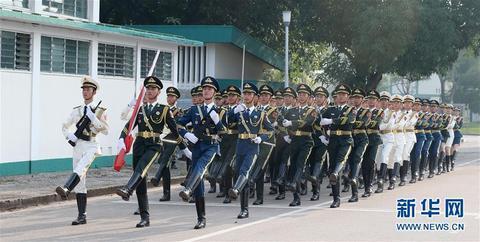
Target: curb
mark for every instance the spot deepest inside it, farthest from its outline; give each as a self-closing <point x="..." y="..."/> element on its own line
<point x="10" y="205"/>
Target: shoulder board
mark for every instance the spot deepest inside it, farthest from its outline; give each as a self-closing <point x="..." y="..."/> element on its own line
<point x="77" y="106"/>
<point x="102" y="108"/>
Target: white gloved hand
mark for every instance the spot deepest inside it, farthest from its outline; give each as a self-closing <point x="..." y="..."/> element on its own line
<point x="326" y="121"/>
<point x="72" y="137"/>
<point x="121" y="144"/>
<point x="257" y="140"/>
<point x="287" y="139"/>
<point x="191" y="137"/>
<point x="239" y="108"/>
<point x="215" y="117"/>
<point x="286" y="123"/>
<point x="187" y="153"/>
<point x="132" y="102"/>
<point x="324" y="140"/>
<point x="275" y="124"/>
<point x="91" y="114"/>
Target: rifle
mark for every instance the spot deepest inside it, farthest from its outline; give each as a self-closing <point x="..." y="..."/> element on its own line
<point x="82" y="124"/>
<point x="120" y="158"/>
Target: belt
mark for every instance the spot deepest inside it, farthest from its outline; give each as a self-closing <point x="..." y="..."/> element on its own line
<point x="409" y="130"/>
<point x="247" y="136"/>
<point x="417" y="131"/>
<point x="456" y="129"/>
<point x="435" y="131"/>
<point x="386" y="131"/>
<point x="300" y="133"/>
<point x="428" y="131"/>
<point x="340" y="132"/>
<point x="396" y="131"/>
<point x="359" y="131"/>
<point x="146" y="134"/>
<point x="373" y="131"/>
<point x="230" y="131"/>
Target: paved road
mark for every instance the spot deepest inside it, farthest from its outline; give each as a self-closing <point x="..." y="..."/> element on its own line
<point x="372" y="219"/>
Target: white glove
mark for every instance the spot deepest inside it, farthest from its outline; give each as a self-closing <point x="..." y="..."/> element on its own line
<point x="72" y="137"/>
<point x="326" y="121"/>
<point x="324" y="140"/>
<point x="257" y="140"/>
<point x="187" y="153"/>
<point x="275" y="124"/>
<point x="132" y="102"/>
<point x="215" y="117"/>
<point x="191" y="137"/>
<point x="287" y="139"/>
<point x="90" y="114"/>
<point x="121" y="145"/>
<point x="239" y="108"/>
<point x="286" y="123"/>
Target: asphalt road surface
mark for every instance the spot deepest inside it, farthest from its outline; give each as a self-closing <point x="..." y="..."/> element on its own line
<point x="372" y="219"/>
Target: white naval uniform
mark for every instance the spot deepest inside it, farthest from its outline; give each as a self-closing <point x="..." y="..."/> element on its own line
<point x="410" y="137"/>
<point x="84" y="151"/>
<point x="399" y="137"/>
<point x="386" y="126"/>
<point x="450" y="125"/>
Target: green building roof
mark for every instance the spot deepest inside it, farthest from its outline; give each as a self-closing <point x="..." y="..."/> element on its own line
<point x="16" y="15"/>
<point x="222" y="34"/>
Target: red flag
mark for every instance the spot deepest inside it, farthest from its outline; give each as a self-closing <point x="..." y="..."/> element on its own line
<point x="120" y="158"/>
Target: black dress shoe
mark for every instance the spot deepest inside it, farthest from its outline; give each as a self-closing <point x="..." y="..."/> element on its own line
<point x="273" y="191"/>
<point x="290" y="187"/>
<point x="201" y="223"/>
<point x="421" y="177"/>
<point x="314" y="197"/>
<point x="212" y="190"/>
<point x="413" y="180"/>
<point x="401" y="184"/>
<point x="227" y="200"/>
<point x="122" y="192"/>
<point x="303" y="192"/>
<point x="137" y="212"/>
<point x="258" y="202"/>
<point x="173" y="166"/>
<point x="233" y="193"/>
<point x="430" y="175"/>
<point x="185" y="194"/>
<point x="333" y="178"/>
<point x="192" y="200"/>
<point x="366" y="194"/>
<point x="346" y="188"/>
<point x="165" y="198"/>
<point x="353" y="199"/>
<point x="295" y="203"/>
<point x="143" y="223"/>
<point x="80" y="220"/>
<point x="243" y="214"/>
<point x="391" y="186"/>
<point x="221" y="194"/>
<point x="280" y="196"/>
<point x="335" y="204"/>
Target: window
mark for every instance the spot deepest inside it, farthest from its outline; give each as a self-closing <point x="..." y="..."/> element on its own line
<point x="75" y="8"/>
<point x="163" y="68"/>
<point x="115" y="60"/>
<point x="64" y="55"/>
<point x="15" y="50"/>
<point x="16" y="3"/>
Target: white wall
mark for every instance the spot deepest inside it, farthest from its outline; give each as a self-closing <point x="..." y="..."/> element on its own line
<point x="59" y="93"/>
<point x="228" y="63"/>
<point x="15" y="106"/>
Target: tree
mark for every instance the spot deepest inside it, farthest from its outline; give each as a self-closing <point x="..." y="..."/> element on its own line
<point x="465" y="74"/>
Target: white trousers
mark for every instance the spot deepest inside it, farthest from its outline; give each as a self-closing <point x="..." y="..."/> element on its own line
<point x="83" y="155"/>
<point x="410" y="140"/>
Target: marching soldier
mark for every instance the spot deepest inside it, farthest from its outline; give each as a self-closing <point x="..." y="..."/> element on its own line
<point x="457" y="136"/>
<point x="448" y="124"/>
<point x="283" y="143"/>
<point x="299" y="121"/>
<point x="399" y="139"/>
<point x="206" y="126"/>
<point x="437" y="138"/>
<point x="277" y="101"/>
<point x="90" y="120"/>
<point x="253" y="129"/>
<point x="340" y="118"/>
<point x="318" y="155"/>
<point x="420" y="137"/>
<point x="374" y="141"/>
<point x="266" y="148"/>
<point x="150" y="120"/>
<point x="386" y="125"/>
<point x="229" y="136"/>
<point x="170" y="143"/>
<point x="411" y="118"/>
<point x="360" y="140"/>
<point x="427" y="127"/>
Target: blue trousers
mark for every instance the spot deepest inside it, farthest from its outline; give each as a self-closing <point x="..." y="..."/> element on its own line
<point x="435" y="146"/>
<point x="416" y="152"/>
<point x="247" y="152"/>
<point x="202" y="156"/>
<point x="427" y="144"/>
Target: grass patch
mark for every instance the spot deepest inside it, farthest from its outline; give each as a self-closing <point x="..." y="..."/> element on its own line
<point x="471" y="128"/>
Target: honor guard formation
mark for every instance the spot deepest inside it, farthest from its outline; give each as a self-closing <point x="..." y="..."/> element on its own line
<point x="240" y="139"/>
